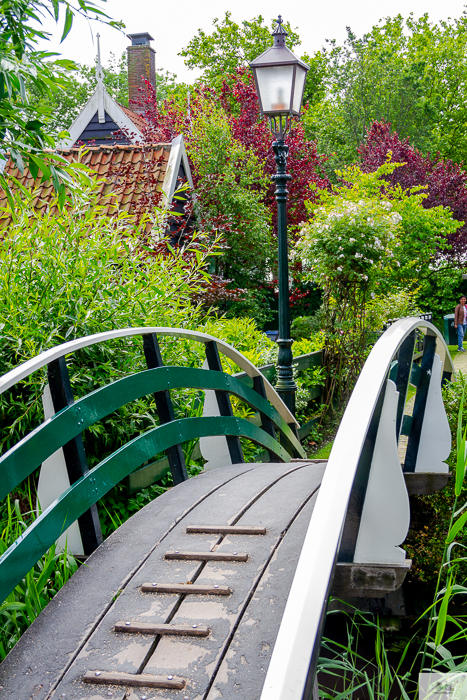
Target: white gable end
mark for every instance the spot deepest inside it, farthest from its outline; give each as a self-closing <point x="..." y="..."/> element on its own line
<point x="177" y="156"/>
<point x="100" y="102"/>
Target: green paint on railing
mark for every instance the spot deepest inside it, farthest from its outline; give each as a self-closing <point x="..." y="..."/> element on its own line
<point x="39" y="537"/>
<point x="415" y="374"/>
<point x="29" y="453"/>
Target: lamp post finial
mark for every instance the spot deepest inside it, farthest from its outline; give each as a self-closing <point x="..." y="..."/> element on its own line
<point x="279" y="32"/>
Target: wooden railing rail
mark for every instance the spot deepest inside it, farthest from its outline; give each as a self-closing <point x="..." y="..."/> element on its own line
<point x="362" y="512"/>
<point x="64" y="429"/>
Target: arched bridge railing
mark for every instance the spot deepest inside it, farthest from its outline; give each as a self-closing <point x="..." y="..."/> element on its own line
<point x="63" y="429"/>
<point x="362" y="511"/>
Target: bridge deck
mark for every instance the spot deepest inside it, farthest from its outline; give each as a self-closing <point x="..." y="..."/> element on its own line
<point x="220" y="636"/>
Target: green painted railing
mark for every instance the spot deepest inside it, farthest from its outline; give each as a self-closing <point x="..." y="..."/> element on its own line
<point x="312" y="359"/>
<point x="48" y="527"/>
<point x="277" y="435"/>
<point x="19" y="462"/>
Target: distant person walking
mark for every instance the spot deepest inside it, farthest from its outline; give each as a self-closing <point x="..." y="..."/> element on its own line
<point x="460" y="322"/>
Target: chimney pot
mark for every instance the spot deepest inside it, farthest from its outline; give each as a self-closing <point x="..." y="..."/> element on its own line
<point x="140" y="39"/>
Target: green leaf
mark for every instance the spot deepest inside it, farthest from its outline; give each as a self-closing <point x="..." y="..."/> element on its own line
<point x="56" y="8"/>
<point x="34" y="125"/>
<point x="456" y="526"/>
<point x="441" y="621"/>
<point x="61" y="196"/>
<point x="33" y="167"/>
<point x="68" y="23"/>
<point x="461" y="449"/>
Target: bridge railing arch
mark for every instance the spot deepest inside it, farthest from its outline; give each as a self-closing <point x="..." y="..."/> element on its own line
<point x="362" y="510"/>
<point x="63" y="429"/>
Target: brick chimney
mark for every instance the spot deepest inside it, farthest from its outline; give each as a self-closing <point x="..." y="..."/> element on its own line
<point x="141" y="67"/>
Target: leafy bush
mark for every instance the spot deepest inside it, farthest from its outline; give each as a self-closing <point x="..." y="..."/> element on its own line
<point x="385" y="307"/>
<point x="77" y="272"/>
<point x="366" y="238"/>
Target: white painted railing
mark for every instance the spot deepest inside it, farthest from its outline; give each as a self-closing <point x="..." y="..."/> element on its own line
<point x="30" y="366"/>
<point x="371" y="416"/>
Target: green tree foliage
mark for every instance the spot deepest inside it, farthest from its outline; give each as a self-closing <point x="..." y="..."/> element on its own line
<point x="22" y="125"/>
<point x="410" y="73"/>
<point x="230" y="46"/>
<point x="366" y="238"/>
<point x="231" y="185"/>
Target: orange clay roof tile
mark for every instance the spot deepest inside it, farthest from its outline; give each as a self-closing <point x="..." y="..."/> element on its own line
<point x="133" y="161"/>
<point x="137" y="119"/>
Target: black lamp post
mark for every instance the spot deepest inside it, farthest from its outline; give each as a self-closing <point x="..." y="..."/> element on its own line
<point x="280" y="81"/>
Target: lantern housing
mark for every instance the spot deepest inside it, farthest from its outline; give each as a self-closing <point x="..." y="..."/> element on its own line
<point x="279" y="77"/>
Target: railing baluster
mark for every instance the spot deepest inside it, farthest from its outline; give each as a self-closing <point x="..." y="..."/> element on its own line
<point x="266" y="423"/>
<point x="165" y="409"/>
<point x="223" y="402"/>
<point x="73" y="452"/>
<point x="403" y="375"/>
<point x="420" y="403"/>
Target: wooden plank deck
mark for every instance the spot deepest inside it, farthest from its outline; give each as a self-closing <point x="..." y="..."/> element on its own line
<point x="73" y="650"/>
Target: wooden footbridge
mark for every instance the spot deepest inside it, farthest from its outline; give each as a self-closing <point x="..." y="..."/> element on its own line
<point x="219" y="588"/>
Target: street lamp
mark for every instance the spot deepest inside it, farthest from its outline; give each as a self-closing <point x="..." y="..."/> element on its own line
<point x="280" y="81"/>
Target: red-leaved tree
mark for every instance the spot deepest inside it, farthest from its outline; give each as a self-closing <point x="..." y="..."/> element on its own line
<point x="445" y="181"/>
<point x="238" y="103"/>
<point x="304" y="163"/>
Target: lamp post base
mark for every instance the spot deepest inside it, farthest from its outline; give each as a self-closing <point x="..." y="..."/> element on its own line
<point x="285" y="385"/>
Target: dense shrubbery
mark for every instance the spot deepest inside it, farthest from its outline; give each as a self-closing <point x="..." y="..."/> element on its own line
<point x="367" y="239"/>
<point x="76" y="273"/>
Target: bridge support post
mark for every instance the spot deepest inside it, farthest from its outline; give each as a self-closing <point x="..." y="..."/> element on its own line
<point x="223" y="401"/>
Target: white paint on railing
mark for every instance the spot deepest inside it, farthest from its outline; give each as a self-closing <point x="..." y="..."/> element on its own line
<point x="385" y="516"/>
<point x="213" y="448"/>
<point x="26" y="368"/>
<point x="301" y="623"/>
<point x="435" y="437"/>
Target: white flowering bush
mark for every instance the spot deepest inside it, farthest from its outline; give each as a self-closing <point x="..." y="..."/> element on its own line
<point x="366" y="239"/>
<point x="351" y="242"/>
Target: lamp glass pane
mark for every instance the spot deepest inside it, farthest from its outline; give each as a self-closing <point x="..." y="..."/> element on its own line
<point x="275" y="87"/>
<point x="300" y="76"/>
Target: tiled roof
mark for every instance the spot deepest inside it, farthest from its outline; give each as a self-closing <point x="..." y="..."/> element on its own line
<point x="137" y="119"/>
<point x="140" y="170"/>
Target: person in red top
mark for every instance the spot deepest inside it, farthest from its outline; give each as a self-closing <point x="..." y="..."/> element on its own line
<point x="460" y="322"/>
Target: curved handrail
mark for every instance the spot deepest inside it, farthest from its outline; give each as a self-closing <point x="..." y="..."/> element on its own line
<point x="24" y="457"/>
<point x="297" y="644"/>
<point x="26" y="368"/>
<point x="45" y="530"/>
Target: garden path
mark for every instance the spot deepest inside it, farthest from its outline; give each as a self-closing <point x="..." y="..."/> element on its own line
<point x="460" y="362"/>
